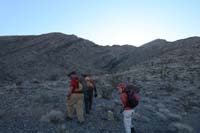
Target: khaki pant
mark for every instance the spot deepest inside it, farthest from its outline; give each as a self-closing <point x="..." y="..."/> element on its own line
<point x="75" y="102"/>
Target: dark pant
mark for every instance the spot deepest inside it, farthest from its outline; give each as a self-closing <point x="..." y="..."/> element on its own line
<point x="88" y="96"/>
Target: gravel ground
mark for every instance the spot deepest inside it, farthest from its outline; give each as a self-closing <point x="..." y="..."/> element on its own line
<point x="21" y="109"/>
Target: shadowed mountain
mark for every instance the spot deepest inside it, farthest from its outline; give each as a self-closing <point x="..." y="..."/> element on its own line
<point x="53" y="55"/>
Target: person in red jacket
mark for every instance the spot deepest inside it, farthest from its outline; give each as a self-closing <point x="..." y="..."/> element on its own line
<point x="75" y="98"/>
<point x="127" y="109"/>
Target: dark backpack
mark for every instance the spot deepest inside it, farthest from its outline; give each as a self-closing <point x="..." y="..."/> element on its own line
<point x="132" y="96"/>
<point x="132" y="100"/>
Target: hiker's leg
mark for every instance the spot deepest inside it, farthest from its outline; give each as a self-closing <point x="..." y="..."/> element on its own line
<point x="79" y="107"/>
<point x="127" y="114"/>
<point x="132" y="125"/>
<point x="86" y="101"/>
<point x="70" y="109"/>
<point x="90" y="99"/>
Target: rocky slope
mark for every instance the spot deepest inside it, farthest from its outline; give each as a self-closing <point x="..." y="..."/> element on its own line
<point x="167" y="73"/>
<point x="52" y="55"/>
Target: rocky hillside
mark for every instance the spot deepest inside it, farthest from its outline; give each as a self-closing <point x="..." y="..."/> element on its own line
<point x="51" y="56"/>
<point x="33" y="84"/>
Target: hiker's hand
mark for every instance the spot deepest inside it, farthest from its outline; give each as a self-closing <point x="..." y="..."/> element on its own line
<point x="68" y="96"/>
<point x="95" y="95"/>
<point x="121" y="111"/>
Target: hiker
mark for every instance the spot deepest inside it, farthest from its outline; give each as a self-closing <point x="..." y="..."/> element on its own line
<point x="75" y="98"/>
<point x="129" y="99"/>
<point x="89" y="89"/>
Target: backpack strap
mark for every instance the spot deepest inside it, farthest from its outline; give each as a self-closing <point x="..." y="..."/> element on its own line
<point x="126" y="104"/>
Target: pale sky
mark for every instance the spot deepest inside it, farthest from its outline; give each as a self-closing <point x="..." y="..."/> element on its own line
<point x="105" y="22"/>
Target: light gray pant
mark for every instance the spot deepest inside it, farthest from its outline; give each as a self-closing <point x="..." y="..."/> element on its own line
<point x="128" y="120"/>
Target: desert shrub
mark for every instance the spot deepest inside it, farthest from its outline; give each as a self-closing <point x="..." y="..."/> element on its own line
<point x="35" y="81"/>
<point x="54" y="116"/>
<point x="19" y="87"/>
<point x="168" y="88"/>
<point x="175" y="77"/>
<point x="164" y="72"/>
<point x="107" y="92"/>
<point x="45" y="98"/>
<point x="53" y="77"/>
<point x="18" y="83"/>
<point x="115" y="80"/>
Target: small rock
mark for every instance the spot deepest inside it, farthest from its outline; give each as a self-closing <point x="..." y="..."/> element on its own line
<point x="136" y="116"/>
<point x="160" y="105"/>
<point x="149" y="107"/>
<point x="161" y="116"/>
<point x="174" y="117"/>
<point x="35" y="81"/>
<point x="145" y="100"/>
<point x="63" y="127"/>
<point x="164" y="110"/>
<point x="180" y="128"/>
<point x="196" y="109"/>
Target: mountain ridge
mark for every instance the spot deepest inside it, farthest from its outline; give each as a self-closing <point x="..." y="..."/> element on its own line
<point x="46" y="55"/>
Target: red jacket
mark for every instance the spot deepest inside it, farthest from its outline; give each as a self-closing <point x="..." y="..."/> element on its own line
<point x="124" y="99"/>
<point x="74" y="84"/>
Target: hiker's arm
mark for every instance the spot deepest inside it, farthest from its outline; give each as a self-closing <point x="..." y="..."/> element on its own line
<point x="123" y="99"/>
<point x="95" y="91"/>
<point x="69" y="92"/>
<point x="70" y="89"/>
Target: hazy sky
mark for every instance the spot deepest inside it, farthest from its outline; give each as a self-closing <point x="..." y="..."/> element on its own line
<point x="104" y="22"/>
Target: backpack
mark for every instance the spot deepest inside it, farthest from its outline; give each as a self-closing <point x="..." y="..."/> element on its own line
<point x="132" y="96"/>
<point x="132" y="100"/>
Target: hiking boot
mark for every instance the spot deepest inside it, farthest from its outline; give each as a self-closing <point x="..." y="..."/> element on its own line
<point x="87" y="112"/>
<point x="133" y="130"/>
<point x="68" y="118"/>
<point x="80" y="122"/>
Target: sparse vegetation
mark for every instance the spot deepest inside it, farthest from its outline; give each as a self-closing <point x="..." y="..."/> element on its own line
<point x="115" y="80"/>
<point x="164" y="73"/>
<point x="53" y="77"/>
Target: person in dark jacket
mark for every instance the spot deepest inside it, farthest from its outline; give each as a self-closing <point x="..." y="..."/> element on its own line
<point x="89" y="89"/>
